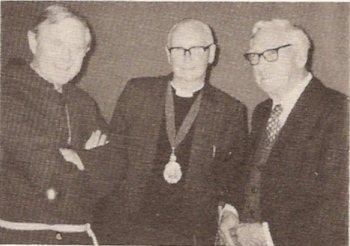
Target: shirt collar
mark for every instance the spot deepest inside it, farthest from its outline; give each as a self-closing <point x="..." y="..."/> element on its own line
<point x="185" y="93"/>
<point x="289" y="99"/>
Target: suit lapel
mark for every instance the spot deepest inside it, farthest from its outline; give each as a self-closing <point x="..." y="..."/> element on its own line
<point x="143" y="144"/>
<point x="259" y="127"/>
<point x="205" y="135"/>
<point x="296" y="125"/>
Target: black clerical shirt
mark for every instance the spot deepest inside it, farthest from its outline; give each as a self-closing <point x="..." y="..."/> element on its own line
<point x="163" y="203"/>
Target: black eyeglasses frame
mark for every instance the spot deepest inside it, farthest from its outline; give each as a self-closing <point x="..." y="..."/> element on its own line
<point x="246" y="55"/>
<point x="205" y="48"/>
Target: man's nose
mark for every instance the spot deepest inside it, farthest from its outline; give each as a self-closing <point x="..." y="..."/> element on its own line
<point x="187" y="55"/>
<point x="263" y="64"/>
<point x="187" y="52"/>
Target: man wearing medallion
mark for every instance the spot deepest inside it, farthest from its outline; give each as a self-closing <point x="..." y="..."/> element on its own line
<point x="184" y="139"/>
<point x="43" y="198"/>
<point x="298" y="163"/>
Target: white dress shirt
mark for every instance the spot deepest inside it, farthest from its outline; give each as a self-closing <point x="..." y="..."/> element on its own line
<point x="289" y="99"/>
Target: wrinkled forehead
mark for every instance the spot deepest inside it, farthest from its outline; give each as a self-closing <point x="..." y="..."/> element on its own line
<point x="188" y="35"/>
<point x="268" y="38"/>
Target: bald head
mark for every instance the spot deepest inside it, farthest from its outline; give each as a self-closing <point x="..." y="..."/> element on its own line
<point x="190" y="49"/>
<point x="196" y="27"/>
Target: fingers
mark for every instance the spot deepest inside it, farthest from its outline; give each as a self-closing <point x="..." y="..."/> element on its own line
<point x="93" y="140"/>
<point x="228" y="239"/>
<point x="65" y="153"/>
<point x="251" y="234"/>
<point x="229" y="222"/>
<point x="103" y="140"/>
<point x="96" y="139"/>
<point x="71" y="156"/>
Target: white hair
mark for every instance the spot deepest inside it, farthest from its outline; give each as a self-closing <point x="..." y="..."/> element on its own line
<point x="296" y="35"/>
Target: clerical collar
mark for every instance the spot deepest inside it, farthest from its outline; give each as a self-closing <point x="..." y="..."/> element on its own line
<point x="185" y="93"/>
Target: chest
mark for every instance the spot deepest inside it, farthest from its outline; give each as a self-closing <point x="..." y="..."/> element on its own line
<point x="65" y="121"/>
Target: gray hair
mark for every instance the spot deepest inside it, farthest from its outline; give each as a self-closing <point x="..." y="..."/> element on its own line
<point x="296" y="34"/>
<point x="55" y="14"/>
<point x="207" y="32"/>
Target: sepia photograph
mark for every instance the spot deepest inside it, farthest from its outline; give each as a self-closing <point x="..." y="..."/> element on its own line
<point x="174" y="123"/>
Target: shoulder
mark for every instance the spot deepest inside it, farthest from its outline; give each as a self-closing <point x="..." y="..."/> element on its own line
<point x="16" y="84"/>
<point x="330" y="99"/>
<point x="152" y="80"/>
<point x="13" y="76"/>
<point x="335" y="98"/>
<point x="146" y="83"/>
<point x="78" y="94"/>
<point x="224" y="98"/>
<point x="144" y="87"/>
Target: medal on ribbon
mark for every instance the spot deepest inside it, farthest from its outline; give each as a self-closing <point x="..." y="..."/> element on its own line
<point x="172" y="170"/>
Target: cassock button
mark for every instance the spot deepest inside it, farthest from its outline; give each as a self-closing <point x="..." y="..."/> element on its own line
<point x="51" y="194"/>
<point x="58" y="236"/>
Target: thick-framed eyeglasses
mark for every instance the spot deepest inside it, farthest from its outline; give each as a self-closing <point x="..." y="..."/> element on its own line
<point x="270" y="55"/>
<point x="193" y="51"/>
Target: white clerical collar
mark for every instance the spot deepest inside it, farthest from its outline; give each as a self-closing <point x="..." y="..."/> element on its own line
<point x="186" y="93"/>
<point x="289" y="99"/>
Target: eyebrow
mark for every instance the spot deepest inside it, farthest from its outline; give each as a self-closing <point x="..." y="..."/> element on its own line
<point x="275" y="47"/>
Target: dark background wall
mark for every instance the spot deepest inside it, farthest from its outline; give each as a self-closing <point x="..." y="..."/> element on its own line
<point x="130" y="38"/>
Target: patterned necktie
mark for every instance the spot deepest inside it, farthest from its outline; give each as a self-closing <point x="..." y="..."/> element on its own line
<point x="273" y="125"/>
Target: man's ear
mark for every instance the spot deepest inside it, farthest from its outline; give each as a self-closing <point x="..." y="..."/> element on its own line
<point x="301" y="58"/>
<point x="32" y="41"/>
<point x="168" y="54"/>
<point x="212" y="52"/>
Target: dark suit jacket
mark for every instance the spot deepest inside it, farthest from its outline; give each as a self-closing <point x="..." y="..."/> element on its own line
<point x="304" y="183"/>
<point x="221" y="121"/>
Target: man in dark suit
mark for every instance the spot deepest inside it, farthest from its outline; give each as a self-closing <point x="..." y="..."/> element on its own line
<point x="184" y="138"/>
<point x="298" y="178"/>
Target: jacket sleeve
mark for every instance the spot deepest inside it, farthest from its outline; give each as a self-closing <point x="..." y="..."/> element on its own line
<point x="104" y="165"/>
<point x="331" y="217"/>
<point x="107" y="164"/>
<point x="232" y="173"/>
<point x="30" y="150"/>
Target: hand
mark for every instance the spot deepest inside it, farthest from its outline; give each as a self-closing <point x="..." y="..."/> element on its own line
<point x="251" y="234"/>
<point x="227" y="228"/>
<point x="96" y="139"/>
<point x="71" y="156"/>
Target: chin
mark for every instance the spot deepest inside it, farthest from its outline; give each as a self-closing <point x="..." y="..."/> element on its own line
<point x="270" y="85"/>
<point x="63" y="81"/>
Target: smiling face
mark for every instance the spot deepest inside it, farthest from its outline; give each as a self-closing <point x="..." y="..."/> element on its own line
<point x="59" y="50"/>
<point x="190" y="67"/>
<point x="274" y="77"/>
